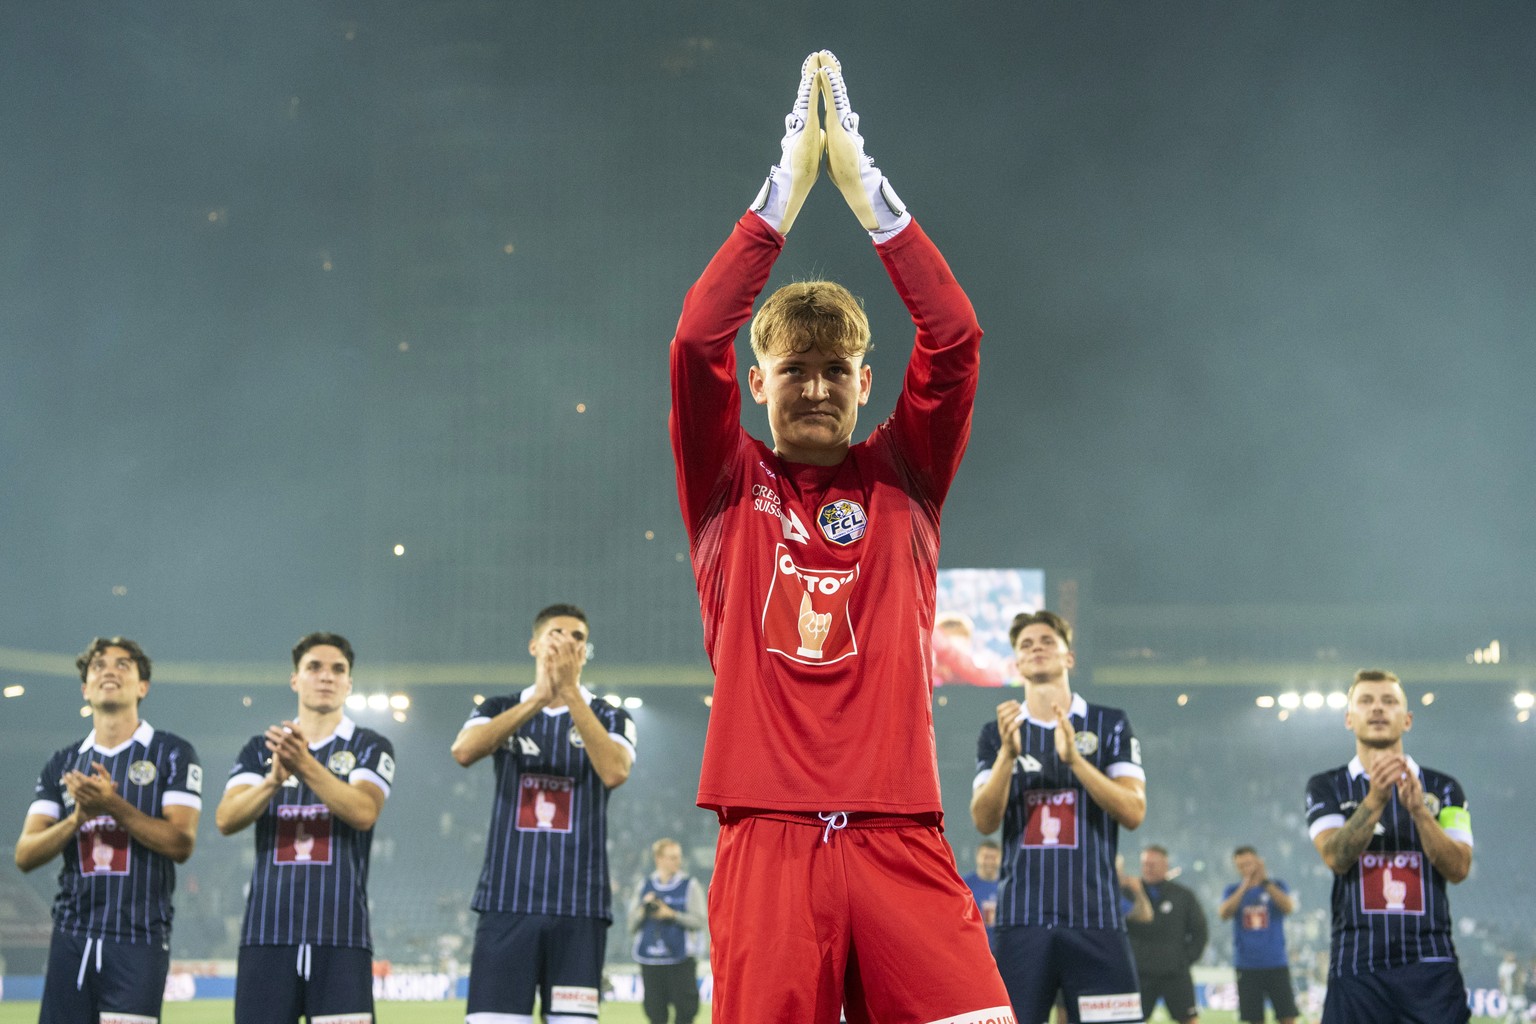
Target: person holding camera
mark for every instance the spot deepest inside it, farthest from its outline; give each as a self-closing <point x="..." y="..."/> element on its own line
<point x="668" y="916"/>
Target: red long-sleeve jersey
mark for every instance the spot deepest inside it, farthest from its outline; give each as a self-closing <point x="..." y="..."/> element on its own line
<point x="802" y="721"/>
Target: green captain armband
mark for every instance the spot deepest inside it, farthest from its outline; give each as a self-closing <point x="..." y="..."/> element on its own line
<point x="1457" y="818"/>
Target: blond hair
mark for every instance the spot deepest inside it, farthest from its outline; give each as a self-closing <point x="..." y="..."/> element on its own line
<point x="821" y="315"/>
<point x="1373" y="675"/>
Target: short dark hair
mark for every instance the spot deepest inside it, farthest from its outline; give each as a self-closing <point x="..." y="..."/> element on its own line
<point x="335" y="640"/>
<point x="1155" y="848"/>
<point x="1025" y="619"/>
<point x="556" y="611"/>
<point x="1244" y="849"/>
<point x="101" y="643"/>
<point x="988" y="844"/>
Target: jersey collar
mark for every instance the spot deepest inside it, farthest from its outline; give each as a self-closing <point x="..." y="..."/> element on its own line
<point x="344" y="730"/>
<point x="1079" y="709"/>
<point x="1357" y="767"/>
<point x="587" y="697"/>
<point x="140" y="735"/>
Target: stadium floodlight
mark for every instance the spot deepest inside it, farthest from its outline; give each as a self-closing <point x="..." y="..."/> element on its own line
<point x="1265" y="701"/>
<point x="1525" y="700"/>
<point x="1313" y="700"/>
<point x="1338" y="700"/>
<point x="1428" y="698"/>
<point x="378" y="702"/>
<point x="357" y="701"/>
<point x="85" y="712"/>
<point x="631" y="703"/>
<point x="614" y="699"/>
<point x="399" y="701"/>
<point x="15" y="691"/>
<point x="1290" y="700"/>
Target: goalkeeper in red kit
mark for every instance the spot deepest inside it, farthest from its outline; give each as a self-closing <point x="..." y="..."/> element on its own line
<point x="815" y="559"/>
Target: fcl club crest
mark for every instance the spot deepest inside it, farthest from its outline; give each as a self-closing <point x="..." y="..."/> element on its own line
<point x="842" y="522"/>
<point x="342" y="762"/>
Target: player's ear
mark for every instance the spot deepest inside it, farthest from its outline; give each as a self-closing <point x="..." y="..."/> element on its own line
<point x="757" y="384"/>
<point x="866" y="379"/>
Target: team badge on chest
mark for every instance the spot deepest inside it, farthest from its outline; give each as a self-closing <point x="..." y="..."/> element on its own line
<point x="342" y="762"/>
<point x="842" y="521"/>
<point x="141" y="773"/>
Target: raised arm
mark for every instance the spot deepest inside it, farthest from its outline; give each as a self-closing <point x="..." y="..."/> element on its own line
<point x="356" y="803"/>
<point x="174" y="834"/>
<point x="1123" y="796"/>
<point x="1450" y="856"/>
<point x="989" y="794"/>
<point x="1341" y="846"/>
<point x="43" y="837"/>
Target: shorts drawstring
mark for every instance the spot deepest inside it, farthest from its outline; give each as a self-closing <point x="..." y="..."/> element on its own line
<point x="85" y="959"/>
<point x="305" y="961"/>
<point x="836" y="821"/>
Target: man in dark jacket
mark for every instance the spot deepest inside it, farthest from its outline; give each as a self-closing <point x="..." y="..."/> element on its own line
<point x="1166" y="947"/>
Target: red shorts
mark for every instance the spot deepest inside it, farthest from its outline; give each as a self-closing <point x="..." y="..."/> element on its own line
<point x="806" y="920"/>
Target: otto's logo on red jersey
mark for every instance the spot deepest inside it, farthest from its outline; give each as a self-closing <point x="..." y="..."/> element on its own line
<point x="544" y="803"/>
<point x="1050" y="819"/>
<point x="103" y="847"/>
<point x="303" y="835"/>
<point x="1256" y="917"/>
<point x="1392" y="883"/>
<point x="842" y="521"/>
<point x="806" y="615"/>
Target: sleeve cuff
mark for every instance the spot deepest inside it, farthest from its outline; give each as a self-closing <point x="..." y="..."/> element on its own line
<point x="369" y="775"/>
<point x="1325" y="823"/>
<point x="1126" y="770"/>
<point x="981" y="779"/>
<point x="243" y="779"/>
<point x="176" y="798"/>
<point x="47" y="808"/>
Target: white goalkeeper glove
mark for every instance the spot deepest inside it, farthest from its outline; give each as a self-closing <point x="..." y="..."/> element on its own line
<point x="790" y="180"/>
<point x="866" y="190"/>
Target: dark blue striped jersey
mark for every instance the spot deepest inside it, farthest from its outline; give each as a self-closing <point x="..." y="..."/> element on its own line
<point x="1390" y="909"/>
<point x="111" y="886"/>
<point x="310" y="883"/>
<point x="546" y="852"/>
<point x="1058" y="845"/>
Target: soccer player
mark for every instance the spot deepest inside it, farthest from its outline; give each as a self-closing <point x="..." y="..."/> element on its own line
<point x="1168" y="945"/>
<point x="314" y="787"/>
<point x="544" y="898"/>
<point x="1061" y="777"/>
<point x="1257" y="906"/>
<point x="122" y="808"/>
<point x="667" y="917"/>
<point x="815" y="560"/>
<point x="1393" y="833"/>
